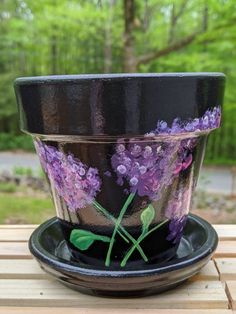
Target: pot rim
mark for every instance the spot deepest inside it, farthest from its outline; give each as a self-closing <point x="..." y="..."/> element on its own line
<point x="113" y="76"/>
<point x="105" y="139"/>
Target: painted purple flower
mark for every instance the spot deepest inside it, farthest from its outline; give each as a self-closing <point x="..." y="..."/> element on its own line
<point x="185" y="156"/>
<point x="176" y="211"/>
<point x="75" y="182"/>
<point x="176" y="228"/>
<point x="184" y="164"/>
<point x="144" y="166"/>
<point x="178" y="204"/>
<point x="210" y="120"/>
<point x="149" y="167"/>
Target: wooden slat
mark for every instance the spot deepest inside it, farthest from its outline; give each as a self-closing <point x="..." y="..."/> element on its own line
<point x="23" y="283"/>
<point x="208" y="272"/>
<point x="29" y="269"/>
<point x="198" y="295"/>
<point x="227" y="268"/>
<point x="14" y="250"/>
<point x="231" y="292"/>
<point x="21" y="269"/>
<point x="226" y="232"/>
<point x="23" y="232"/>
<point x="18" y="226"/>
<point x="226" y="249"/>
<point x="57" y="310"/>
<point x="14" y="234"/>
<point x="18" y="249"/>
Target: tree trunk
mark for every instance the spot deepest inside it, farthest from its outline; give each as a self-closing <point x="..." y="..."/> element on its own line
<point x="129" y="58"/>
<point x="175" y="16"/>
<point x="53" y="55"/>
<point x="172" y="25"/>
<point x="108" y="40"/>
<point x="205" y="24"/>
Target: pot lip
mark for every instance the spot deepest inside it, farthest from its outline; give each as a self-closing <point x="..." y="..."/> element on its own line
<point x="106" y="138"/>
<point x="114" y="77"/>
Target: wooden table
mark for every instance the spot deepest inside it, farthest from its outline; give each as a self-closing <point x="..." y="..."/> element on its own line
<point x="25" y="288"/>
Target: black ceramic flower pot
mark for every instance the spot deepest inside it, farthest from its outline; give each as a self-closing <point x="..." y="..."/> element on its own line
<point x="122" y="155"/>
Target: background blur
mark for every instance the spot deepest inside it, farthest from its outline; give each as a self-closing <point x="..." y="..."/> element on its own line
<point x="74" y="36"/>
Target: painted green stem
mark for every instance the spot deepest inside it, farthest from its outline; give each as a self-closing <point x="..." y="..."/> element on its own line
<point x="117" y="224"/>
<point x="126" y="233"/>
<point x="139" y="240"/>
<point x="104" y="211"/>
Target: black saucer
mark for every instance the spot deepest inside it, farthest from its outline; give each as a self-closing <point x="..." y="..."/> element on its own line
<point x="196" y="248"/>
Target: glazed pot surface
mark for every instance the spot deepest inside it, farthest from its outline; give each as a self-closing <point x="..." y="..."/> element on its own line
<point x="122" y="155"/>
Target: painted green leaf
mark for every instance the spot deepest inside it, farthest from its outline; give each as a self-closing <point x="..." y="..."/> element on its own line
<point x="83" y="239"/>
<point x="147" y="217"/>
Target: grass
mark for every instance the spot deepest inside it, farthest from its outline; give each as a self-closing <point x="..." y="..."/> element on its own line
<point x="24" y="209"/>
<point x="7" y="187"/>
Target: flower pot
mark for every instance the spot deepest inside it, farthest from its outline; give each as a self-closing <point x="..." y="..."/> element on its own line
<point x="122" y="155"/>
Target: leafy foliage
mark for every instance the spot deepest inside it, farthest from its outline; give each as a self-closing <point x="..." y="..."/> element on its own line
<point x="9" y="141"/>
<point x="83" y="239"/>
<point x="147" y="217"/>
<point x="67" y="37"/>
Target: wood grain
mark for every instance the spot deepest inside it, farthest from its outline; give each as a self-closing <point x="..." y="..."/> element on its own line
<point x="208" y="272"/>
<point x="198" y="295"/>
<point x="226" y="232"/>
<point x="231" y="293"/>
<point x="25" y="288"/>
<point x="21" y="269"/>
<point x="226" y="249"/>
<point x="29" y="269"/>
<point x="14" y="250"/>
<point x="18" y="226"/>
<point x="16" y="235"/>
<point x="57" y="310"/>
<point x="226" y="268"/>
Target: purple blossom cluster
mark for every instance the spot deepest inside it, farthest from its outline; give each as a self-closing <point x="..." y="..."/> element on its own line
<point x="74" y="181"/>
<point x="141" y="165"/>
<point x="210" y="120"/>
<point x="148" y="167"/>
<point x="176" y="212"/>
<point x="176" y="228"/>
<point x="178" y="204"/>
<point x="185" y="156"/>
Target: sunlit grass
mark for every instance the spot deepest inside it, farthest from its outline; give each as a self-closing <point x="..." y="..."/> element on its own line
<point x="24" y="209"/>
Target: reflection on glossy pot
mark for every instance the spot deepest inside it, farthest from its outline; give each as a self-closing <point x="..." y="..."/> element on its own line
<point x="129" y="189"/>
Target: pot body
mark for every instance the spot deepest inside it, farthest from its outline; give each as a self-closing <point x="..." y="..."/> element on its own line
<point x="122" y="155"/>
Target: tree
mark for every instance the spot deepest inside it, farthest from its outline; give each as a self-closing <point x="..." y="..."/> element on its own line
<point x="89" y="36"/>
<point x="132" y="61"/>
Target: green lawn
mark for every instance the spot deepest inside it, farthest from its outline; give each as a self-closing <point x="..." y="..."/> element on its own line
<point x="24" y="209"/>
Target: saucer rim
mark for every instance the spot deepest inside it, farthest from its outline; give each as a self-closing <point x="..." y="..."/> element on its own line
<point x="43" y="256"/>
